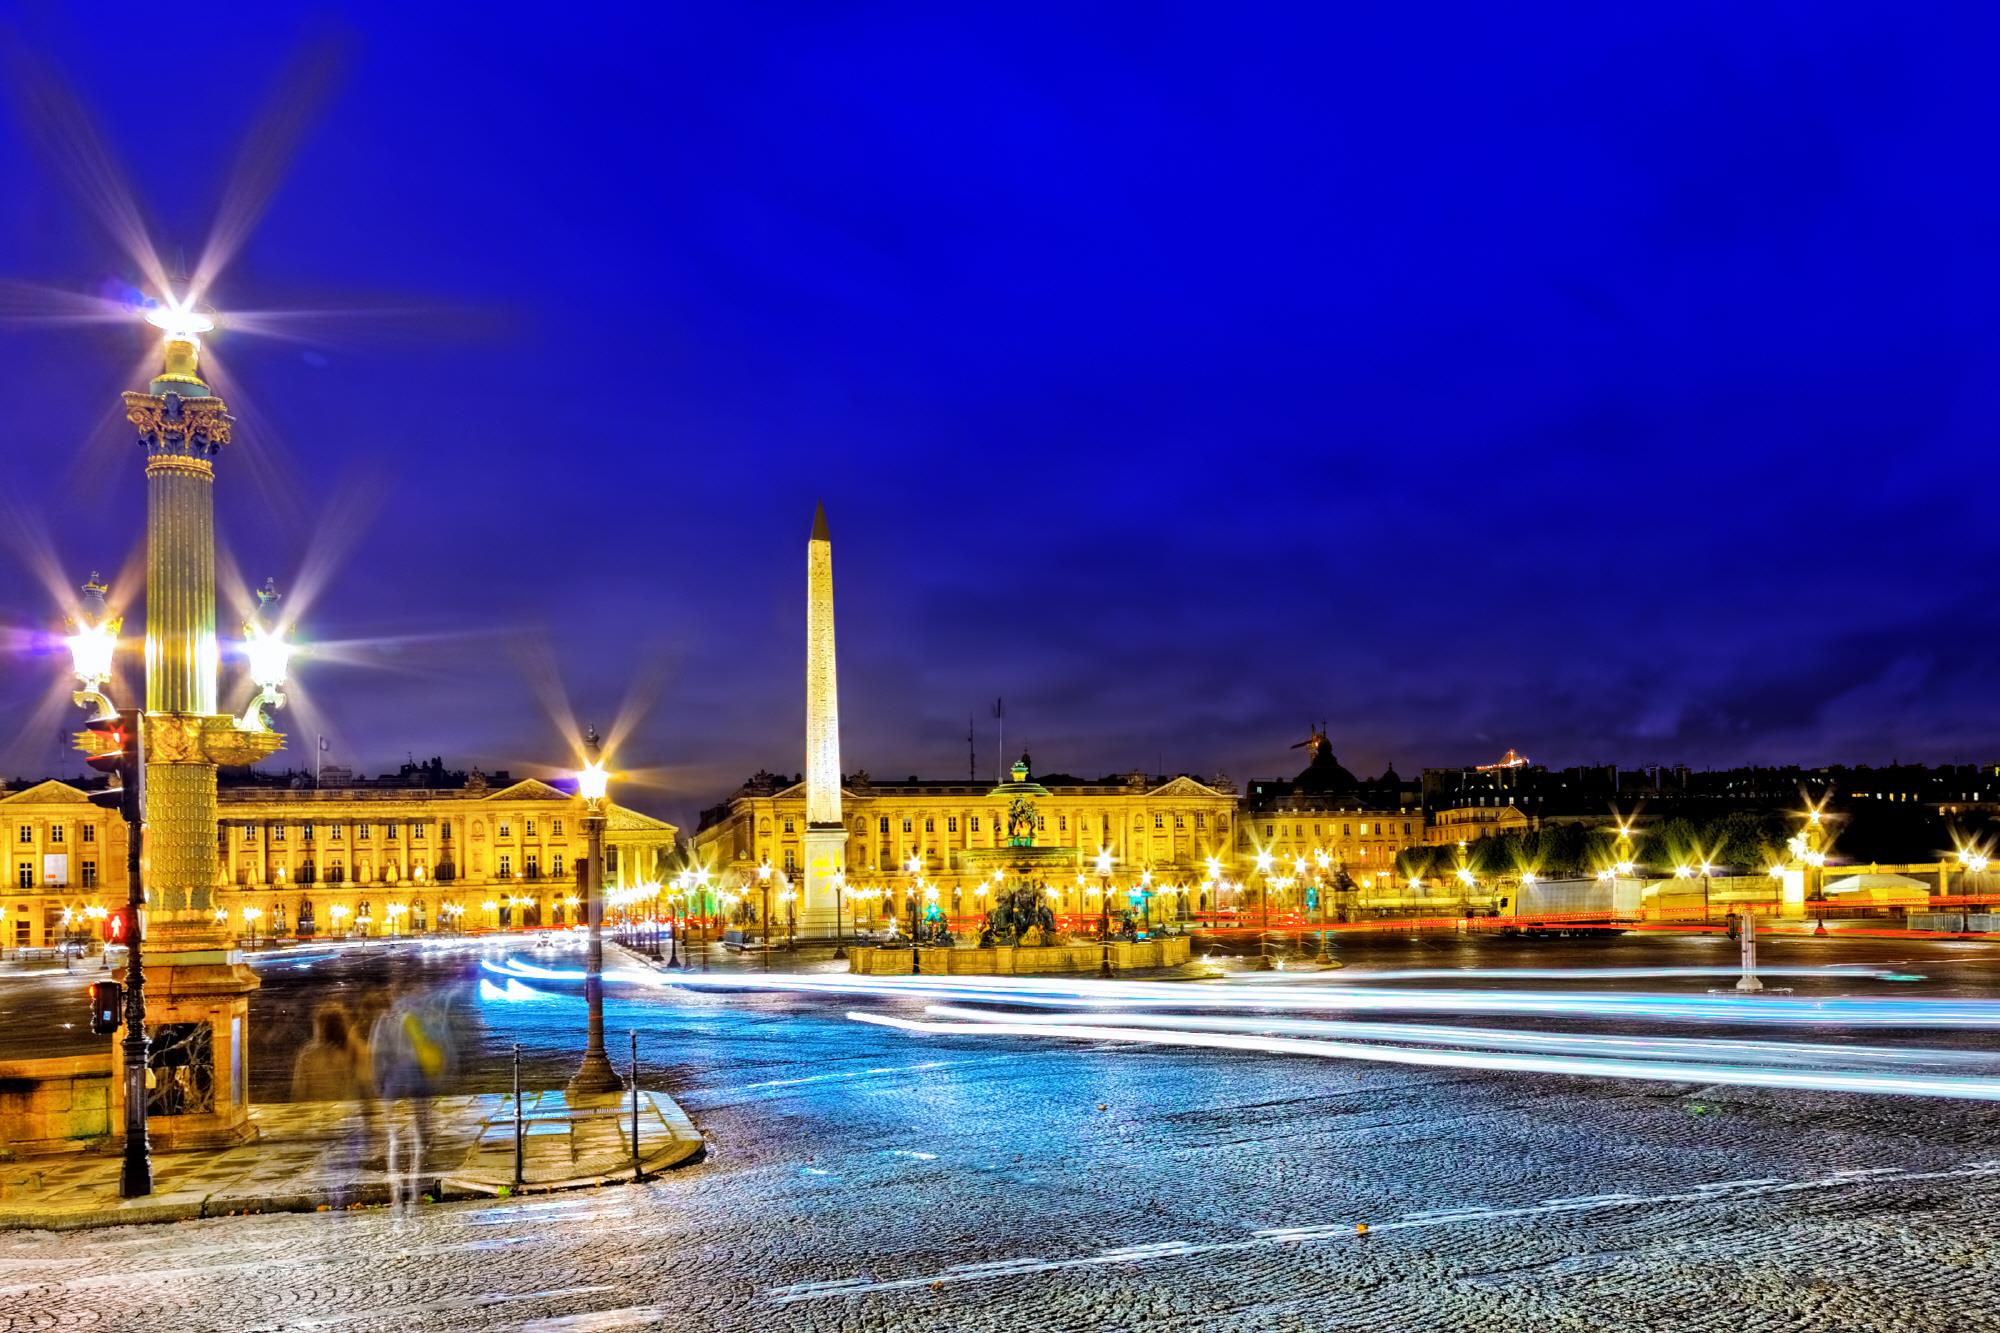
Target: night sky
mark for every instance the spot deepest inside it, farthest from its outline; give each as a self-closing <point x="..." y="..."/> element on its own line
<point x="1616" y="386"/>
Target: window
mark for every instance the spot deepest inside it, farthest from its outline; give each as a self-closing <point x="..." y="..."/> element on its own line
<point x="534" y="866"/>
<point x="791" y="861"/>
<point x="394" y="827"/>
<point x="417" y="832"/>
<point x="1180" y="821"/>
<point x="336" y="833"/>
<point x="930" y="825"/>
<point x="27" y="875"/>
<point x="1040" y="823"/>
<point x="361" y="832"/>
<point x="506" y="864"/>
<point x="1062" y="823"/>
<point x="27" y="833"/>
<point x="555" y="864"/>
<point x="530" y="822"/>
<point x="884" y="824"/>
<point x="1406" y="830"/>
<point x="506" y="829"/>
<point x="975" y="824"/>
<point x="55" y="833"/>
<point x="249" y="833"/>
<point x="906" y="826"/>
<point x="1159" y="821"/>
<point x="1364" y="830"/>
<point x="90" y="833"/>
<point x="1347" y="830"/>
<point x="555" y="828"/>
<point x="788" y="824"/>
<point x="1200" y="819"/>
<point x="278" y="833"/>
<point x="90" y="874"/>
<point x="951" y="824"/>
<point x="306" y="833"/>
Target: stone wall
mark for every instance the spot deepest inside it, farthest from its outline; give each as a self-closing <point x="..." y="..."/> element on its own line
<point x="1008" y="960"/>
<point x="59" y="1104"/>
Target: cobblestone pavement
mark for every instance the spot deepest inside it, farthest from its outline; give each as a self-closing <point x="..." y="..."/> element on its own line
<point x="861" y="1178"/>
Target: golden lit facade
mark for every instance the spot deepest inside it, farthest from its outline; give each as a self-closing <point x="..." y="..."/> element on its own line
<point x="337" y="863"/>
<point x="1165" y="827"/>
<point x="66" y="857"/>
<point x="1362" y="841"/>
<point x="1470" y="823"/>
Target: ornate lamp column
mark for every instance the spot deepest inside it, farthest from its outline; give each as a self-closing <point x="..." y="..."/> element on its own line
<point x="595" y="1075"/>
<point x="199" y="986"/>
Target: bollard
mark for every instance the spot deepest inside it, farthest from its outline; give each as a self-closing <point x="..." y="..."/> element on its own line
<point x="1746" y="929"/>
<point x="518" y="1164"/>
<point x="636" y="1176"/>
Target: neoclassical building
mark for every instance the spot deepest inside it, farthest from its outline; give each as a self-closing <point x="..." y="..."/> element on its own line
<point x="378" y="859"/>
<point x="1166" y="826"/>
<point x="1198" y="845"/>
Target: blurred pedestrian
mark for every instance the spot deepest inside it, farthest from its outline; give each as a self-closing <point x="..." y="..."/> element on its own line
<point x="413" y="1059"/>
<point x="334" y="1067"/>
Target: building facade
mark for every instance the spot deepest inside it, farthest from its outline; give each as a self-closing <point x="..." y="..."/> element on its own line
<point x="1168" y="827"/>
<point x="364" y="860"/>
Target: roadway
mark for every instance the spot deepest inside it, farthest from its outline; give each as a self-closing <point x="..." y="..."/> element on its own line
<point x="863" y="1177"/>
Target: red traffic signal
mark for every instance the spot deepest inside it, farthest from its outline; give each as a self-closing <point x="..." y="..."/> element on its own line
<point x="106" y="999"/>
<point x="118" y="926"/>
<point x="104" y="743"/>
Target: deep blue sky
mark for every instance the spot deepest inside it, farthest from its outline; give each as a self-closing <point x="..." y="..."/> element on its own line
<point x="1615" y="385"/>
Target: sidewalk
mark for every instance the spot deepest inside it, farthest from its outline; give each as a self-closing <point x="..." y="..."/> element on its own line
<point x="314" y="1155"/>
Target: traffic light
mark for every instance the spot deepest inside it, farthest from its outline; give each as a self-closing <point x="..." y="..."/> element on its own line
<point x="111" y="745"/>
<point x="118" y="926"/>
<point x="106" y="999"/>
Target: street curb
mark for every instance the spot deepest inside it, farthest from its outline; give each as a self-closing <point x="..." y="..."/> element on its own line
<point x="688" y="1147"/>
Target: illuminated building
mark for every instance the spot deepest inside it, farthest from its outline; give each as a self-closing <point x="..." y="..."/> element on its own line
<point x="1331" y="821"/>
<point x="1169" y="826"/>
<point x="380" y="859"/>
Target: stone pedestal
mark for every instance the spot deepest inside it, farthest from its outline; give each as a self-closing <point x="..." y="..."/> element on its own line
<point x="825" y="856"/>
<point x="198" y="1016"/>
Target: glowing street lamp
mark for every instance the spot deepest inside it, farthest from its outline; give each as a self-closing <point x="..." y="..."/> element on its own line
<point x="764" y="882"/>
<point x="594" y="1076"/>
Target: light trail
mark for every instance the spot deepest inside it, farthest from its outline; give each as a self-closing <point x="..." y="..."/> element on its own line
<point x="1900" y="1085"/>
<point x="1614" y="1006"/>
<point x="1814" y="1054"/>
<point x="1858" y="970"/>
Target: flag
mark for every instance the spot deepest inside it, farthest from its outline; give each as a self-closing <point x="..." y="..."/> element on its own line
<point x="323" y="744"/>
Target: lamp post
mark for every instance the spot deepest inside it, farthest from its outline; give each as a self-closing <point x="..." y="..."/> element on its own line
<point x="1104" y="910"/>
<point x="790" y="897"/>
<point x="92" y="640"/>
<point x="1145" y="897"/>
<point x="1264" y="911"/>
<point x="594" y="1076"/>
<point x="1971" y="862"/>
<point x="764" y="882"/>
<point x="913" y="865"/>
<point x="839" y="891"/>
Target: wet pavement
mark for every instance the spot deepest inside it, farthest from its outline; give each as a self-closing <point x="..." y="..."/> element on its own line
<point x="861" y="1177"/>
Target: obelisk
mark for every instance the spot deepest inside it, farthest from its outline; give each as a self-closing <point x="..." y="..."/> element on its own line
<point x="825" y="834"/>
